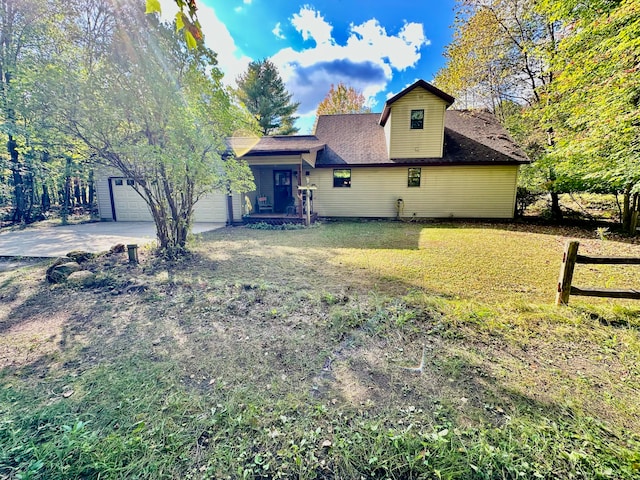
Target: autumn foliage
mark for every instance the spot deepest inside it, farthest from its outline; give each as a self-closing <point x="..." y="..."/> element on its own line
<point x="343" y="99"/>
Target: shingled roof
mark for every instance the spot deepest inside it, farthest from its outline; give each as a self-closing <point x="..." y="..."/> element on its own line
<point x="275" y="145"/>
<point x="470" y="137"/>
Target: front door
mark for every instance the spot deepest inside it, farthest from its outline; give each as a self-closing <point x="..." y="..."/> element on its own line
<point x="281" y="190"/>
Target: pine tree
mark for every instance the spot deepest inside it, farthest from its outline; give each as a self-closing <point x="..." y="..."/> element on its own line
<point x="262" y="91"/>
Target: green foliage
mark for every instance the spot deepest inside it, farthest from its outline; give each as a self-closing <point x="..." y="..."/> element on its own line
<point x="594" y="102"/>
<point x="271" y="226"/>
<point x="563" y="77"/>
<point x="497" y="54"/>
<point x="263" y="93"/>
<point x="164" y="127"/>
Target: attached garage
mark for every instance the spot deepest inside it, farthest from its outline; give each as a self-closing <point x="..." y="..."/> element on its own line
<point x="128" y="206"/>
<point x="120" y="201"/>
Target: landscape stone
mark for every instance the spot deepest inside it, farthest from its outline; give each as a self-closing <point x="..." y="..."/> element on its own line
<point x="83" y="278"/>
<point x="118" y="248"/>
<point x="80" y="256"/>
<point x="59" y="273"/>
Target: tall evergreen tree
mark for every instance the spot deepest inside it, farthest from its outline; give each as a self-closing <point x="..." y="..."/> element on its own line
<point x="262" y="91"/>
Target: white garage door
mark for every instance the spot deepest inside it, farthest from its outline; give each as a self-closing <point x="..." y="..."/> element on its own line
<point x="130" y="207"/>
<point x="211" y="208"/>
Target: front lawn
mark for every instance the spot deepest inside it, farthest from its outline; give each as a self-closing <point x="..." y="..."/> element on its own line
<point x="347" y="350"/>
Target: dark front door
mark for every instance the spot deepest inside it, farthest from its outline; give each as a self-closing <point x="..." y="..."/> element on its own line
<point x="281" y="190"/>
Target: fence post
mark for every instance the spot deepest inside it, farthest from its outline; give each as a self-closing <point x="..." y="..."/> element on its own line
<point x="566" y="272"/>
<point x="132" y="251"/>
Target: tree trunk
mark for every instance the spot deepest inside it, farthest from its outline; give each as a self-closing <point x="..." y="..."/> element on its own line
<point x="18" y="182"/>
<point x="556" y="211"/>
<point x="46" y="199"/>
<point x="77" y="191"/>
<point x="67" y="192"/>
<point x="626" y="208"/>
<point x="92" y="193"/>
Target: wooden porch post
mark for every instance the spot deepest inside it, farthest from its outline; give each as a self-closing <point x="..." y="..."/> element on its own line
<point x="298" y="196"/>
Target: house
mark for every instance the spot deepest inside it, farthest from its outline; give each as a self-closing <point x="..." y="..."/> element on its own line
<point x="416" y="159"/>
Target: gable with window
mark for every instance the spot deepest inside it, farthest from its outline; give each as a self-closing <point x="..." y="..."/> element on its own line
<point x="417" y="119"/>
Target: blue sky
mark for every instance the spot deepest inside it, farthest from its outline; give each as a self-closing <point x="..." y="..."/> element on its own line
<point x="376" y="46"/>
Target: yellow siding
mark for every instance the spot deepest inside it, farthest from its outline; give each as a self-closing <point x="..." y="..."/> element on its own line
<point x="425" y="143"/>
<point x="238" y="199"/>
<point x="461" y="191"/>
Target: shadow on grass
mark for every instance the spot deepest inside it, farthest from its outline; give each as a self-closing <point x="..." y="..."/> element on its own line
<point x="156" y="366"/>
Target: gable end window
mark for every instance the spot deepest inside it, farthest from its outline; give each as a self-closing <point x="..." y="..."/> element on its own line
<point x="417" y="119"/>
<point x="342" y="178"/>
<point x="414" y="177"/>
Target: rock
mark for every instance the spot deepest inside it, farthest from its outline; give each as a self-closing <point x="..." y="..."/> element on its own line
<point x="59" y="261"/>
<point x="118" y="248"/>
<point x="83" y="278"/>
<point x="80" y="256"/>
<point x="58" y="273"/>
<point x="56" y="262"/>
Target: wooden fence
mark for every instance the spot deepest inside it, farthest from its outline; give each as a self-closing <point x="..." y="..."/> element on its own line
<point x="569" y="261"/>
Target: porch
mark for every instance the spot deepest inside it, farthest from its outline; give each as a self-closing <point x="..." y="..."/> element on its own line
<point x="282" y="192"/>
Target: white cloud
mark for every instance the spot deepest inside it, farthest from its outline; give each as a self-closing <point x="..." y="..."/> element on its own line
<point x="365" y="61"/>
<point x="277" y="31"/>
<point x="312" y="25"/>
<point x="246" y="2"/>
<point x="231" y="60"/>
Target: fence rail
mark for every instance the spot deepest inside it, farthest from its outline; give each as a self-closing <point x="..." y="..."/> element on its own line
<point x="569" y="261"/>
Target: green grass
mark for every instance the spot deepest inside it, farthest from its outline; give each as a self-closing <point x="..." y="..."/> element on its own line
<point x="286" y="354"/>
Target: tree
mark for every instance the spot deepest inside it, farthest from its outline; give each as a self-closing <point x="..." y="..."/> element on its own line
<point x="186" y="19"/>
<point x="594" y="100"/>
<point x="156" y="111"/>
<point x="500" y="52"/>
<point x="263" y="93"/>
<point x="499" y="57"/>
<point x="343" y="99"/>
<point x="24" y="46"/>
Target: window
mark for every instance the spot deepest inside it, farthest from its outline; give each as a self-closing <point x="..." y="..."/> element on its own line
<point x="118" y="181"/>
<point x="130" y="182"/>
<point x="342" y="177"/>
<point x="417" y="119"/>
<point x="414" y="177"/>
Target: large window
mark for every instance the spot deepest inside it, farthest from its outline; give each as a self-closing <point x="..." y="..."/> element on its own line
<point x="417" y="119"/>
<point x="414" y="177"/>
<point x="342" y="177"/>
